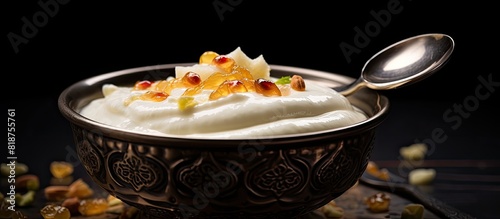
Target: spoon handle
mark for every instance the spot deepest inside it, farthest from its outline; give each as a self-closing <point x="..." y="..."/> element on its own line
<point x="438" y="207"/>
<point x="348" y="89"/>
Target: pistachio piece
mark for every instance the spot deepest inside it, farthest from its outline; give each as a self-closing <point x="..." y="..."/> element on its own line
<point x="28" y="181"/>
<point x="331" y="210"/>
<point x="26" y="199"/>
<point x="13" y="169"/>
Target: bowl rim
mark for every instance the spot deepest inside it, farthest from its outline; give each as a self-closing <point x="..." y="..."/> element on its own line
<point x="75" y="118"/>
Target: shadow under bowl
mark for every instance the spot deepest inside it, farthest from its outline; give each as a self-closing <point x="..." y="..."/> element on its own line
<point x="174" y="177"/>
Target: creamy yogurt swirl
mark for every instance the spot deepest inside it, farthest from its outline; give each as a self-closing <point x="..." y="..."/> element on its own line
<point x="236" y="116"/>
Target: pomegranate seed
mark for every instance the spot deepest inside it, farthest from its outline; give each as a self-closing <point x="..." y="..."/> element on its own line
<point x="154" y="96"/>
<point x="266" y="88"/>
<point x="224" y="62"/>
<point x="192" y="78"/>
<point x="142" y="85"/>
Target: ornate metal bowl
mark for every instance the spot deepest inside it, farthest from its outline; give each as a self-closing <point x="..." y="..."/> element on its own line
<point x="175" y="177"/>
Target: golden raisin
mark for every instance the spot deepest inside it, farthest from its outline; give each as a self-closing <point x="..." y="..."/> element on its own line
<point x="373" y="169"/>
<point x="378" y="202"/>
<point x="79" y="189"/>
<point x="52" y="211"/>
<point x="61" y="169"/>
<point x="95" y="206"/>
<point x="383" y="174"/>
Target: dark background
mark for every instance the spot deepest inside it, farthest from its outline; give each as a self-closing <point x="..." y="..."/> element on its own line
<point x="87" y="38"/>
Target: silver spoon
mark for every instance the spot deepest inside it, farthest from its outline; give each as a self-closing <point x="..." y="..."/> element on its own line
<point x="403" y="63"/>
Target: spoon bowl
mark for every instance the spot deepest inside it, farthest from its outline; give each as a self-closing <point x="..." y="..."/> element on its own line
<point x="403" y="63"/>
